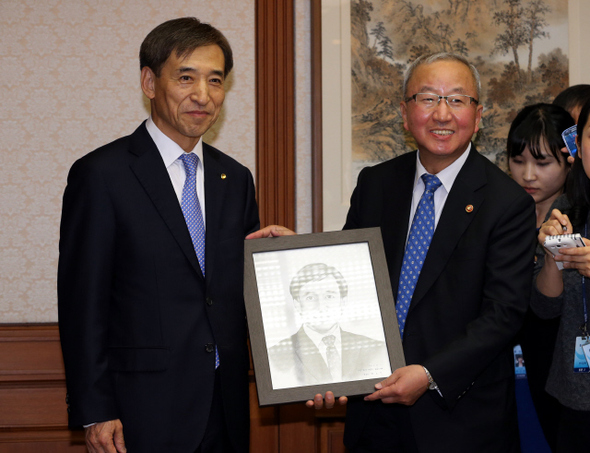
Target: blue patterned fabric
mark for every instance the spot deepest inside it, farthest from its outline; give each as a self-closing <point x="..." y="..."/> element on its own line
<point x="419" y="239"/>
<point x="191" y="208"/>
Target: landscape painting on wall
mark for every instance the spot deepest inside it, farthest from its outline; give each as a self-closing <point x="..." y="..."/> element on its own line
<point x="518" y="46"/>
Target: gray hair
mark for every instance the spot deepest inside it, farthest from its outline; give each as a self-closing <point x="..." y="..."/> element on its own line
<point x="441" y="56"/>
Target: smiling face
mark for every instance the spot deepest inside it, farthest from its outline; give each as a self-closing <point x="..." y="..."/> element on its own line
<point x="187" y="96"/>
<point x="542" y="178"/>
<point x="442" y="134"/>
<point x="319" y="304"/>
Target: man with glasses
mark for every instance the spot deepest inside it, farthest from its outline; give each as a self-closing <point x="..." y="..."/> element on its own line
<point x="459" y="238"/>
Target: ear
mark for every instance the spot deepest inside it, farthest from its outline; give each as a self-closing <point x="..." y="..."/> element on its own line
<point x="148" y="82"/>
<point x="404" y="109"/>
<point x="478" y="113"/>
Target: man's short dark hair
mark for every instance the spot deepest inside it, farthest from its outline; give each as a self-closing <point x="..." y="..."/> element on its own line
<point x="182" y="36"/>
<point x="572" y="97"/>
<point x="314" y="273"/>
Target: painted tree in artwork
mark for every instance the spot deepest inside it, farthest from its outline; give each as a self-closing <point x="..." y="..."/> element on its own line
<point x="515" y="32"/>
<point x="434" y="31"/>
<point x="382" y="44"/>
<point x="534" y="21"/>
<point x="430" y="27"/>
<point x="460" y="47"/>
<point x="386" y="50"/>
<point x="523" y="24"/>
<point x="379" y="33"/>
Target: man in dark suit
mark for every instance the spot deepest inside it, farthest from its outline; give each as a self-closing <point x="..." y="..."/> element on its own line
<point x="457" y="392"/>
<point x="321" y="352"/>
<point x="152" y="323"/>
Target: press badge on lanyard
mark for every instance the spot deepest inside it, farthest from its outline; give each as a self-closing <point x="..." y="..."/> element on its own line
<point x="582" y="355"/>
<point x="582" y="351"/>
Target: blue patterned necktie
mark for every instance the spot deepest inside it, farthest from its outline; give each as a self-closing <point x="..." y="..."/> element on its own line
<point x="191" y="208"/>
<point x="419" y="239"/>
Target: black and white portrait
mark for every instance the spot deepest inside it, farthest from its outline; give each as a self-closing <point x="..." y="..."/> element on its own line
<point x="321" y="315"/>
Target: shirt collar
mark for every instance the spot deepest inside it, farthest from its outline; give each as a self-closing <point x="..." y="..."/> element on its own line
<point x="446" y="176"/>
<point x="169" y="149"/>
<point x="317" y="337"/>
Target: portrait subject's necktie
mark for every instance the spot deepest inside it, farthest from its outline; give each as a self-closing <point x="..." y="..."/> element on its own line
<point x="191" y="208"/>
<point x="419" y="239"/>
<point x="332" y="357"/>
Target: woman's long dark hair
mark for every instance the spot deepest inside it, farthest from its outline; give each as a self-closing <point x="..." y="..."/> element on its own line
<point x="578" y="191"/>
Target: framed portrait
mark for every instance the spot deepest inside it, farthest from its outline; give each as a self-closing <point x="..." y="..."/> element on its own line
<point x="321" y="314"/>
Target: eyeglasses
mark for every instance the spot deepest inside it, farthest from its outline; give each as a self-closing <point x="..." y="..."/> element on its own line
<point x="431" y="100"/>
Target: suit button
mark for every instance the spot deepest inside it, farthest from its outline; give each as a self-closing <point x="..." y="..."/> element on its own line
<point x="209" y="301"/>
<point x="209" y="347"/>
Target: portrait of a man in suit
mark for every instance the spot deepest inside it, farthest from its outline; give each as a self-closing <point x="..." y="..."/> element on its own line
<point x="321" y="351"/>
<point x="151" y="312"/>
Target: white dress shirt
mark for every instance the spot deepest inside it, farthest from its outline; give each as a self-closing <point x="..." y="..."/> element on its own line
<point x="317" y="339"/>
<point x="170" y="152"/>
<point x="447" y="178"/>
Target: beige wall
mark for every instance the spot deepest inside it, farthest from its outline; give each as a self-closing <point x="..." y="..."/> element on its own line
<point x="69" y="82"/>
<point x="579" y="37"/>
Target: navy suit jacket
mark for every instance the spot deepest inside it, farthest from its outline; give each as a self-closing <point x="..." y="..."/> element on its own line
<point x="468" y="304"/>
<point x="138" y="321"/>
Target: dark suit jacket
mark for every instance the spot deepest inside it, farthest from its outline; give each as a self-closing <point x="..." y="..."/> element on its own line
<point x="138" y="321"/>
<point x="469" y="301"/>
<point x="298" y="361"/>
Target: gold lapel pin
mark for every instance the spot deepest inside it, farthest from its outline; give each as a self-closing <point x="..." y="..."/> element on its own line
<point x="223" y="176"/>
<point x="469" y="208"/>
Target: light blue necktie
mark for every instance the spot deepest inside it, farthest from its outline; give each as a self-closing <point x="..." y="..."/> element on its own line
<point x="419" y="239"/>
<point x="191" y="208"/>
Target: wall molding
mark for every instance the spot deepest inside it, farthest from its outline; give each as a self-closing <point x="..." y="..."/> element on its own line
<point x="275" y="111"/>
<point x="33" y="390"/>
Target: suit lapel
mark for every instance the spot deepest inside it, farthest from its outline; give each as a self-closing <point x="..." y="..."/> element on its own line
<point x="310" y="357"/>
<point x="216" y="181"/>
<point x="398" y="193"/>
<point x="454" y="220"/>
<point x="153" y="176"/>
<point x="350" y="354"/>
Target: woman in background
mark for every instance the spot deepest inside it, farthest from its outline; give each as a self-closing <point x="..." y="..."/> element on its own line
<point x="538" y="163"/>
<point x="564" y="294"/>
<point x="535" y="153"/>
